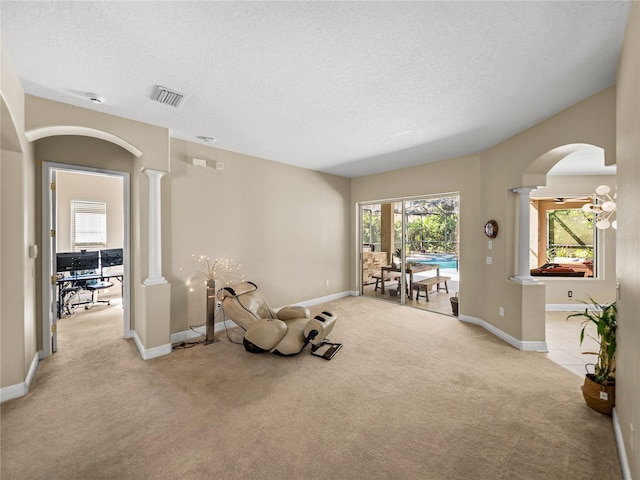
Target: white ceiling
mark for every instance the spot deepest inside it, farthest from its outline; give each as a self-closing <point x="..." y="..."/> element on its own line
<point x="349" y="88"/>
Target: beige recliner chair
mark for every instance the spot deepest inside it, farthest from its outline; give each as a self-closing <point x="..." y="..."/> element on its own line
<point x="285" y="332"/>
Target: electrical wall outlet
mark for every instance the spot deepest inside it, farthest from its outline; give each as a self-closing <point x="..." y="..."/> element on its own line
<point x="570" y="293"/>
<point x="326" y="283"/>
<point x="502" y="311"/>
<point x="489" y="260"/>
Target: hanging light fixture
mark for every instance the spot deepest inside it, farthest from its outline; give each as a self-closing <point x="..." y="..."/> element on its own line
<point x="603" y="206"/>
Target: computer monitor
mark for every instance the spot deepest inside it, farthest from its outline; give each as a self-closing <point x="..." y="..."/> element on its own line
<point x="111" y="257"/>
<point x="75" y="261"/>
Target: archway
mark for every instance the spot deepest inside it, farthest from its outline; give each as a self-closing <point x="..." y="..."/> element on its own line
<point x="38" y="133"/>
<point x="49" y="297"/>
<point x="567" y="177"/>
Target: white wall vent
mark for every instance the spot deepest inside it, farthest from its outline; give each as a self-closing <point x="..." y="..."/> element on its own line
<point x="168" y="97"/>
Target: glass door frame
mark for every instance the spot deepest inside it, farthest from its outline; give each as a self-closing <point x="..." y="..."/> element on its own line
<point x="360" y="207"/>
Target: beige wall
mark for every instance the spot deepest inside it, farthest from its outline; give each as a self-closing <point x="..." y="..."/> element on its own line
<point x="461" y="175"/>
<point x="13" y="293"/>
<point x="18" y="348"/>
<point x="153" y="142"/>
<point x="288" y="227"/>
<point x="504" y="168"/>
<point x="602" y="288"/>
<point x="628" y="242"/>
<point x="13" y="116"/>
<point x="72" y="186"/>
<point x="485" y="182"/>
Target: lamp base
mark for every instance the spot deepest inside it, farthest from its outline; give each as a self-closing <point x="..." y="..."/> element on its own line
<point x="211" y="311"/>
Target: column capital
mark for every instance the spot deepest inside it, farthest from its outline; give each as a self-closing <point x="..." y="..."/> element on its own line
<point x="524" y="190"/>
<point x="153" y="173"/>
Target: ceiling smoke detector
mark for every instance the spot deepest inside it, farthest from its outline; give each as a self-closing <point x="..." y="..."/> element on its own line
<point x="167" y="96"/>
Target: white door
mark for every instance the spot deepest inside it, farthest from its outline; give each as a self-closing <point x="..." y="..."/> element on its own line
<point x="53" y="291"/>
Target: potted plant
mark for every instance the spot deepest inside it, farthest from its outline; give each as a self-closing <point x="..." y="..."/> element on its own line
<point x="599" y="387"/>
<point x="454" y="304"/>
<point x="398" y="255"/>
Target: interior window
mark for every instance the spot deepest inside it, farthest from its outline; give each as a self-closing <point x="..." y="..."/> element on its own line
<point x="566" y="239"/>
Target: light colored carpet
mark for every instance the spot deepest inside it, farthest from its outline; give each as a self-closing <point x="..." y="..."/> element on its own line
<point x="412" y="395"/>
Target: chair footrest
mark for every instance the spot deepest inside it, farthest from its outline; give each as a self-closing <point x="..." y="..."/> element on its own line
<point x="324" y="352"/>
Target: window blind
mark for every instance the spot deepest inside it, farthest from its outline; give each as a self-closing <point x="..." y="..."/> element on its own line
<point x="88" y="225"/>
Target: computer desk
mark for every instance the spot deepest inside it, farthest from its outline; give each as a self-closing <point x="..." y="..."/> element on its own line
<point x="64" y="282"/>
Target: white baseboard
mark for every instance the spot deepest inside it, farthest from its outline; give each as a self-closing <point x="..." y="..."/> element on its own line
<point x="328" y="298"/>
<point x="150" y="353"/>
<point x="196" y="332"/>
<point x="622" y="453"/>
<point x="21" y="389"/>
<point x="525" y="346"/>
<point x="567" y="307"/>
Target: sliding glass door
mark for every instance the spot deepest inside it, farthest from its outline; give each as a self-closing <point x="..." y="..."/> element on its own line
<point x="409" y="251"/>
<point x="380" y="232"/>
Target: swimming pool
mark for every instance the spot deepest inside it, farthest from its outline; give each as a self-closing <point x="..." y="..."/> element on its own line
<point x="445" y="261"/>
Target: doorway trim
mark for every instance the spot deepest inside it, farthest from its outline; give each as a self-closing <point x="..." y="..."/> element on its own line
<point x="47" y="311"/>
<point x="359" y="206"/>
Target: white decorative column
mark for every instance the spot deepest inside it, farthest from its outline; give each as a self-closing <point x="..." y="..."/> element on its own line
<point x="524" y="273"/>
<point x="155" y="234"/>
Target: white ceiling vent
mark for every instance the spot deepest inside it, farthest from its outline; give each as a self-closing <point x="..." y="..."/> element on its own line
<point x="168" y="97"/>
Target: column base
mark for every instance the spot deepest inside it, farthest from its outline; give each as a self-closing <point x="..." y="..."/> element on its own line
<point x="155" y="281"/>
<point x="525" y="279"/>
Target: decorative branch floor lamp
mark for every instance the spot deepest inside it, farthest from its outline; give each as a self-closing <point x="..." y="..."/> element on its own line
<point x="211" y="311"/>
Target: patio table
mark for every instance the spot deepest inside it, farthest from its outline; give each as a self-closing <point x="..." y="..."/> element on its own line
<point x="410" y="270"/>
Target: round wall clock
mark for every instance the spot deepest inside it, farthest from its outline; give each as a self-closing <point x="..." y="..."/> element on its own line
<point x="491" y="229"/>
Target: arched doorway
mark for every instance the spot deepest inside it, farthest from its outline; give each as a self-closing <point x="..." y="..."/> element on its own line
<point x="563" y="234"/>
<point x="48" y="284"/>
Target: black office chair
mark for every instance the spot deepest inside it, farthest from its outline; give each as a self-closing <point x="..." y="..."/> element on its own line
<point x="94" y="288"/>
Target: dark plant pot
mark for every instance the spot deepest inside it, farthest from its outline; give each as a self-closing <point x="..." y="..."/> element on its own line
<point x="454" y="305"/>
<point x="601" y="398"/>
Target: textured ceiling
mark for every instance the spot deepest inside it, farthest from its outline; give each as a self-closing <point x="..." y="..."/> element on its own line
<point x="349" y="88"/>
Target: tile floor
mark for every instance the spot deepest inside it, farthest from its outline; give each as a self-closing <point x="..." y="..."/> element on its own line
<point x="563" y="342"/>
